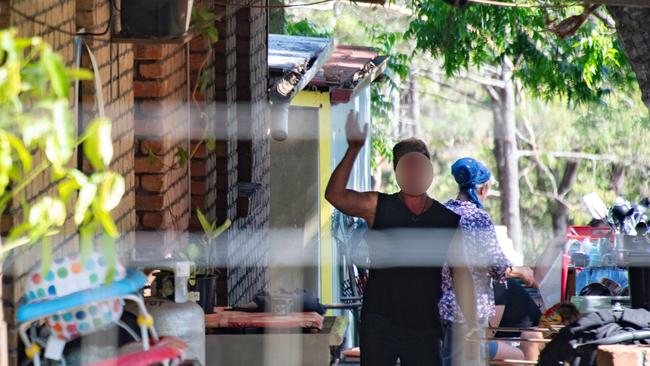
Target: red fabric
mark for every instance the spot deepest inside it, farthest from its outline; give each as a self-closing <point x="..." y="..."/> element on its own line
<point x="240" y="319"/>
<point x="169" y="348"/>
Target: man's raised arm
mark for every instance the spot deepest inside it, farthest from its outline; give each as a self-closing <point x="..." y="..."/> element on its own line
<point x="350" y="202"/>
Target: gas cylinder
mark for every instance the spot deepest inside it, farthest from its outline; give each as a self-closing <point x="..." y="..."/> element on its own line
<point x="181" y="320"/>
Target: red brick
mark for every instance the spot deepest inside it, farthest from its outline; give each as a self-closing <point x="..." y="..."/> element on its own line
<point x="198" y="168"/>
<point x="158" y="146"/>
<point x="153" y="220"/>
<point x="149" y="202"/>
<point x="149" y="52"/>
<point x="198" y="203"/>
<point x="199" y="44"/>
<point x="151" y="89"/>
<point x="153" y="183"/>
<point x="196" y="60"/>
<point x="153" y="70"/>
<point x="199" y="187"/>
<point x="201" y="151"/>
<point x="143" y="165"/>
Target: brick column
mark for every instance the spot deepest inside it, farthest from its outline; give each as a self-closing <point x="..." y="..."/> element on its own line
<point x="248" y="246"/>
<point x="204" y="160"/>
<point x="161" y="127"/>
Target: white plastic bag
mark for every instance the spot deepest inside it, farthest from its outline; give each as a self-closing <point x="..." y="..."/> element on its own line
<point x="551" y="286"/>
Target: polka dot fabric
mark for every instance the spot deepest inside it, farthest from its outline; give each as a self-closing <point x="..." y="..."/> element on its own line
<point x="69" y="275"/>
<point x="91" y="318"/>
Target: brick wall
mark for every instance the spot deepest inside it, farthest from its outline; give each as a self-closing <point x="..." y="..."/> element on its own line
<point x="116" y="70"/>
<point x="204" y="159"/>
<point x="145" y="88"/>
<point x="60" y="13"/>
<point x="115" y="63"/>
<point x="161" y="127"/>
<point x="248" y="250"/>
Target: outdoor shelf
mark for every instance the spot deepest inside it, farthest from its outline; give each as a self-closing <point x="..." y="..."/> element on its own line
<point x="182" y="39"/>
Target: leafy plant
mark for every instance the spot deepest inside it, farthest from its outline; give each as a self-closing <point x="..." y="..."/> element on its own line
<point x="202" y="253"/>
<point x="37" y="125"/>
<point x="306" y="28"/>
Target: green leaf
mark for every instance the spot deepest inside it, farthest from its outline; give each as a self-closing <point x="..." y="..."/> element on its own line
<point x="86" y="235"/>
<point x="213" y="34"/>
<point x="56" y="72"/>
<point x="18" y="231"/>
<point x="47" y="211"/>
<point x="218" y="231"/>
<point x="98" y="145"/>
<point x="193" y="251"/>
<point x="85" y="199"/>
<point x="109" y="251"/>
<point x="59" y="145"/>
<point x="211" y="144"/>
<point x="79" y="177"/>
<point x="24" y="155"/>
<point x="111" y="191"/>
<point x="108" y="224"/>
<point x="151" y="156"/>
<point x="80" y="74"/>
<point x="34" y="130"/>
<point x="182" y="156"/>
<point x="205" y="223"/>
<point x="67" y="188"/>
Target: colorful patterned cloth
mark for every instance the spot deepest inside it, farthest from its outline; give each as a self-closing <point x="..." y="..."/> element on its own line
<point x="69" y="275"/>
<point x="485" y="258"/>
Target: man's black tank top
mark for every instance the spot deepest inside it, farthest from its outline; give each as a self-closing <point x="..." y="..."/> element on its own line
<point x="407" y="253"/>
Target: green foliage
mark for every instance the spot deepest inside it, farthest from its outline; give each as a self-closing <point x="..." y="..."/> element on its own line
<point x="306" y="28"/>
<point x="204" y="23"/>
<point x="36" y="121"/>
<point x="583" y="67"/>
<point x="201" y="253"/>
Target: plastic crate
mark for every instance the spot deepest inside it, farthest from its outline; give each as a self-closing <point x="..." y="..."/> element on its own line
<point x="583" y="232"/>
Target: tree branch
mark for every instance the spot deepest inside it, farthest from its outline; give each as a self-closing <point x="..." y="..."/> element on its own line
<point x="493" y="93"/>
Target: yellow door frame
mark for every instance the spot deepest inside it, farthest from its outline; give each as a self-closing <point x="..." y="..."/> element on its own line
<point x="321" y="101"/>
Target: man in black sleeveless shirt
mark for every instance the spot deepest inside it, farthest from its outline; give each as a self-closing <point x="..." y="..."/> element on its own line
<point x="411" y="236"/>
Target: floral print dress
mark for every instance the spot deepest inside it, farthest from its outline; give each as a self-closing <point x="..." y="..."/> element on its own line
<point x="485" y="258"/>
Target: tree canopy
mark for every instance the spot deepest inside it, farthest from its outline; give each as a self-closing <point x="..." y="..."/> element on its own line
<point x="581" y="64"/>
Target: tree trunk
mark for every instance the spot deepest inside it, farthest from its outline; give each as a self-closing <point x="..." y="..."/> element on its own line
<point x="414" y="106"/>
<point x="618" y="178"/>
<point x="506" y="156"/>
<point x="561" y="211"/>
<point x="633" y="29"/>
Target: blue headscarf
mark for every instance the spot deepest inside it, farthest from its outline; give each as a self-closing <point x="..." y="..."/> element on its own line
<point x="469" y="173"/>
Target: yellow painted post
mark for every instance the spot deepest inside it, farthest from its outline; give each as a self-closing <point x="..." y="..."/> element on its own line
<point x="321" y="101"/>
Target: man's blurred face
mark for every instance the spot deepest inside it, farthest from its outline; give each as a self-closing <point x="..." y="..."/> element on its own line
<point x="414" y="174"/>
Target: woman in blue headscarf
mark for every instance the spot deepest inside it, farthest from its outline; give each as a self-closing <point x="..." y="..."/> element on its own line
<point x="486" y="260"/>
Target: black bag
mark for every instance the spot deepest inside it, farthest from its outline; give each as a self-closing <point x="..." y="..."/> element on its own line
<point x="578" y="342"/>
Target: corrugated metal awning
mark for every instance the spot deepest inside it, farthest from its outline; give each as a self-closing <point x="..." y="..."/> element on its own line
<point x="294" y="61"/>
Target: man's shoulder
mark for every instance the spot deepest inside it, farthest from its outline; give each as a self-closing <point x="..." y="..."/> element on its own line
<point x="446" y="212"/>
